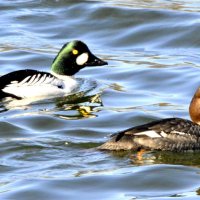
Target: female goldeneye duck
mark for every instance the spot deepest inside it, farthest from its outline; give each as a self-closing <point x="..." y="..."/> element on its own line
<point x="28" y="83"/>
<point x="171" y="134"/>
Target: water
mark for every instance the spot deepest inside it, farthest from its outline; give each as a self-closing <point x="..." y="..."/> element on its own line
<point x="48" y="149"/>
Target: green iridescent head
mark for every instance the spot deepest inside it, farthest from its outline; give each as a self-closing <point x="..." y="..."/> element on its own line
<point x="74" y="56"/>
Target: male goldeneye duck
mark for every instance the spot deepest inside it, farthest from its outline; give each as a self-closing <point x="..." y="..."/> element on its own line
<point x="72" y="57"/>
<point x="170" y="134"/>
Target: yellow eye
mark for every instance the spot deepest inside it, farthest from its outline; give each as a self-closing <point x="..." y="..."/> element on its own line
<point x="75" y="52"/>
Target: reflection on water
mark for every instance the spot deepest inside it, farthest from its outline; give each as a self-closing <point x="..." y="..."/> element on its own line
<point x="158" y="157"/>
<point x="182" y="5"/>
<point x="85" y="106"/>
<point x="48" y="147"/>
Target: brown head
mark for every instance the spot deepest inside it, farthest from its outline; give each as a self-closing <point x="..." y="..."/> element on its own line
<point x="194" y="108"/>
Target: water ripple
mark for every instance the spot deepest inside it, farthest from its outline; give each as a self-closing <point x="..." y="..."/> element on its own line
<point x="48" y="148"/>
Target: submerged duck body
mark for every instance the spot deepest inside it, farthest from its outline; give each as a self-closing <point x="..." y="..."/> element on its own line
<point x="29" y="83"/>
<point x="171" y="134"/>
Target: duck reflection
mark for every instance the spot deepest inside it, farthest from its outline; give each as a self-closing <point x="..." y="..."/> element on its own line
<point x="78" y="106"/>
<point x="159" y="157"/>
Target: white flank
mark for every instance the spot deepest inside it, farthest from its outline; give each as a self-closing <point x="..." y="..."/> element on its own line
<point x="151" y="134"/>
<point x="82" y="59"/>
<point x="42" y="86"/>
<point x="48" y="80"/>
<point x="32" y="88"/>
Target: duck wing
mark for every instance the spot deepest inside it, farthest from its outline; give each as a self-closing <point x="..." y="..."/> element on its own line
<point x="163" y="128"/>
<point x="15" y="84"/>
<point x="174" y="134"/>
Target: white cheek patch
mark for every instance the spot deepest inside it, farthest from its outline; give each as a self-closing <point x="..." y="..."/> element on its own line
<point x="82" y="59"/>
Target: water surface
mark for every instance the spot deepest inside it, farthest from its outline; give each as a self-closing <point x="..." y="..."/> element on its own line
<point x="48" y="148"/>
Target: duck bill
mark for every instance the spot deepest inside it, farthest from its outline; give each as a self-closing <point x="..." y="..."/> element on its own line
<point x="94" y="61"/>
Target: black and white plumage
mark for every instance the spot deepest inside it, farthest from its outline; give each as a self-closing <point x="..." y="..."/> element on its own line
<point x="71" y="58"/>
<point x="173" y="134"/>
<point x="30" y="83"/>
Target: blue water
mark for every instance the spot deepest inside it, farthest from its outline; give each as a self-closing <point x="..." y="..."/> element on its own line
<point x="48" y="149"/>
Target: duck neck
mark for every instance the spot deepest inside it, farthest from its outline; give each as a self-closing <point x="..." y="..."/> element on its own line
<point x="63" y="64"/>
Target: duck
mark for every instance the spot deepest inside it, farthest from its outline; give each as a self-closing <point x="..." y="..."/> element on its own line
<point x="30" y="83"/>
<point x="169" y="134"/>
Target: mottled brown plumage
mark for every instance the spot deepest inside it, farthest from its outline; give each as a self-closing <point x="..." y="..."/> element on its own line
<point x="173" y="134"/>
